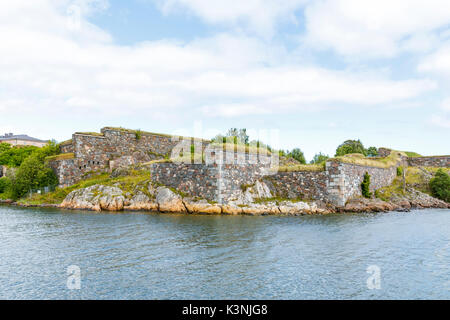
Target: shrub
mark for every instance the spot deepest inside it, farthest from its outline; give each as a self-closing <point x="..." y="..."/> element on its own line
<point x="283" y="153"/>
<point x="138" y="134"/>
<point x="440" y="185"/>
<point x="351" y="146"/>
<point x="372" y="152"/>
<point x="32" y="174"/>
<point x="298" y="155"/>
<point x="13" y="157"/>
<point x="5" y="184"/>
<point x="233" y="136"/>
<point x="399" y="171"/>
<point x="319" y="158"/>
<point x="365" y="186"/>
<point x="4" y="147"/>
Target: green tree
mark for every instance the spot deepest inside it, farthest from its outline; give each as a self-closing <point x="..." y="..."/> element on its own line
<point x="298" y="155"/>
<point x="240" y="135"/>
<point x="365" y="186"/>
<point x="5" y="184"/>
<point x="372" y="152"/>
<point x="51" y="149"/>
<point x="440" y="185"/>
<point x="351" y="146"/>
<point x="13" y="157"/>
<point x="32" y="174"/>
<point x="4" y="147"/>
<point x="319" y="158"/>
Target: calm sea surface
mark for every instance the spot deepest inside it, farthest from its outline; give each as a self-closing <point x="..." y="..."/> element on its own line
<point x="155" y="256"/>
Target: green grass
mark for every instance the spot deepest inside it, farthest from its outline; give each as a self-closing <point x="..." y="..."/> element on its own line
<point x="412" y="154"/>
<point x="415" y="178"/>
<point x="62" y="156"/>
<point x="67" y="142"/>
<point x="96" y="134"/>
<point x="159" y="155"/>
<point x="5" y="196"/>
<point x="137" y="180"/>
<point x="156" y="161"/>
<point x="302" y="168"/>
<point x="245" y="187"/>
<point x="359" y="159"/>
<point x="241" y="148"/>
<point x="141" y="132"/>
<point x="386" y="193"/>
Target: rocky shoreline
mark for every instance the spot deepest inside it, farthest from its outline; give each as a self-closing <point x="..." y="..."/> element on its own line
<point x="161" y="199"/>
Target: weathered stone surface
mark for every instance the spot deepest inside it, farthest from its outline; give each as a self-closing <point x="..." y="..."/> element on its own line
<point x="141" y="201"/>
<point x="231" y="209"/>
<point x="202" y="206"/>
<point x="122" y="162"/>
<point x="93" y="152"/>
<point x="261" y="209"/>
<point x="299" y="185"/>
<point x="442" y="161"/>
<point x="295" y="208"/>
<point x="419" y="200"/>
<point x="95" y="198"/>
<point x="346" y="178"/>
<point x="168" y="201"/>
<point x="261" y="190"/>
<point x="368" y="205"/>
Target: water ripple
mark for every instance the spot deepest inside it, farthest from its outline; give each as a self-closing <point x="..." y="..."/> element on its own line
<point x="154" y="256"/>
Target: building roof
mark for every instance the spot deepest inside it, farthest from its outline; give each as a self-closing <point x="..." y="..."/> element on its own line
<point x="22" y="137"/>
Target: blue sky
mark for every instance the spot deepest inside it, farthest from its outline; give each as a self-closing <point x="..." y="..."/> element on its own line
<point x="318" y="71"/>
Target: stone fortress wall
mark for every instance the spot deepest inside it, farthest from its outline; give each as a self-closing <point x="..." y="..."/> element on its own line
<point x="93" y="152"/>
<point x="438" y="161"/>
<point x="344" y="180"/>
<point x="223" y="175"/>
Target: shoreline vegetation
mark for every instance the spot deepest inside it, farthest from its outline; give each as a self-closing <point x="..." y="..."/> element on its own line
<point x="132" y="189"/>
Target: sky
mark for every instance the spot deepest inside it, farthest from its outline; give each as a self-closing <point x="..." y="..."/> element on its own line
<point x="316" y="72"/>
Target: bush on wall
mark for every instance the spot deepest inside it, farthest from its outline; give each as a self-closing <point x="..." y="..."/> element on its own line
<point x="365" y="186"/>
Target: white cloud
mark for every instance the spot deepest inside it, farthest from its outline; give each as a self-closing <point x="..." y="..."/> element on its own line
<point x="259" y="16"/>
<point x="445" y="105"/>
<point x="442" y="121"/>
<point x="381" y="28"/>
<point x="437" y="62"/>
<point x="50" y="68"/>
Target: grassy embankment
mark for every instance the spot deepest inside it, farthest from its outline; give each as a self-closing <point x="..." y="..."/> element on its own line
<point x="418" y="178"/>
<point x="360" y="159"/>
<point x="355" y="158"/>
<point x="136" y="179"/>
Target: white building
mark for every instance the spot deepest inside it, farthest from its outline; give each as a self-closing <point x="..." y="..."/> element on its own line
<point x="22" y="140"/>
